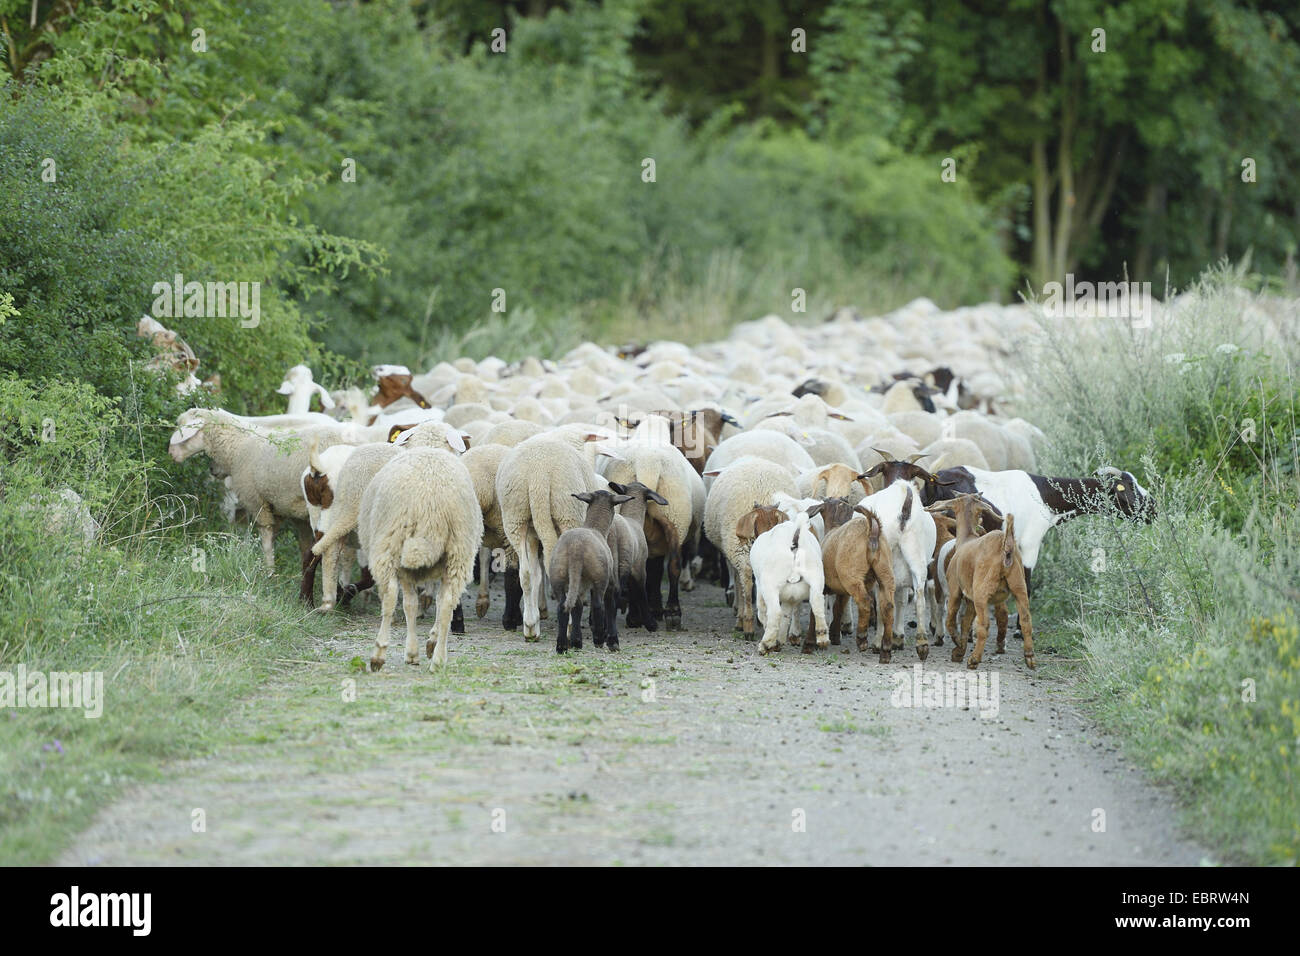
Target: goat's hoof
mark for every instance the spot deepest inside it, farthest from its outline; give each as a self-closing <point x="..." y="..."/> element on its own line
<point x="922" y="651"/>
<point x="938" y="641"/>
<point x="766" y="648"/>
<point x="673" y="620"/>
<point x="957" y="654"/>
<point x="884" y="656"/>
<point x="480" y="608"/>
<point x="972" y="664"/>
<point x="376" y="663"/>
<point x="834" y="638"/>
<point x="1029" y="661"/>
<point x="897" y="643"/>
<point x="651" y="625"/>
<point x="325" y="607"/>
<point x="863" y="646"/>
<point x="613" y="647"/>
<point x="730" y="595"/>
<point x="1001" y="649"/>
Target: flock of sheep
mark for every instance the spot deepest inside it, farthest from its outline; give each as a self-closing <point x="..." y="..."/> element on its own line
<point x="864" y="459"/>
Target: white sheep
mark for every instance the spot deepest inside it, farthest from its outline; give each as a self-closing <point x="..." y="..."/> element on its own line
<point x="535" y="483"/>
<point x="420" y="523"/>
<point x="733" y="494"/>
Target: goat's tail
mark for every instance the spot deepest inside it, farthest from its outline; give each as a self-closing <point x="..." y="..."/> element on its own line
<point x="796" y="566"/>
<point x="907" y="507"/>
<point x="1009" y="541"/>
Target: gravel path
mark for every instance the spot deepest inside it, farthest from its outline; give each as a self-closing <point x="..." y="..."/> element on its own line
<point x="517" y="755"/>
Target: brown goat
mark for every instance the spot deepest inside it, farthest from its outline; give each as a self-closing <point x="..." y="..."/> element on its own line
<point x="985" y="570"/>
<point x="761" y="518"/>
<point x="854" y="558"/>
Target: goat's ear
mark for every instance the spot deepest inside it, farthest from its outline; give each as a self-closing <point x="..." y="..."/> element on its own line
<point x="656" y="498"/>
<point x="871" y="472"/>
<point x="815" y="510"/>
<point x="745" y="527"/>
<point x="948" y="481"/>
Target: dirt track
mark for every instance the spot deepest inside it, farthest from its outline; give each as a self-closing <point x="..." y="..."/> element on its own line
<point x="569" y="757"/>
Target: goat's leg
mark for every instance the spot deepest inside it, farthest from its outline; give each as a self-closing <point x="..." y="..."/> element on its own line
<point x="411" y="610"/>
<point x="388" y="599"/>
<point x="958" y="636"/>
<point x="457" y="616"/>
<point x="888" y="640"/>
<point x="330" y="582"/>
<point x="745" y="601"/>
<point x="266" y="526"/>
<point x="307" y="587"/>
<point x="364" y="583"/>
<point x="817" y="619"/>
<point x="922" y="598"/>
<point x="981" y="630"/>
<point x="837" y="616"/>
<point x="900" y="605"/>
<point x="1000" y="615"/>
<point x="768" y="609"/>
<point x="1027" y="621"/>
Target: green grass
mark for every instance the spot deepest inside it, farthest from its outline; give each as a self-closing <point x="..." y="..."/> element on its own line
<point x="177" y="648"/>
<point x="1188" y="627"/>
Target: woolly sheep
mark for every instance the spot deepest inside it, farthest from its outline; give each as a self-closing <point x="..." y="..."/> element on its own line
<point x="744" y="481"/>
<point x="419" y="523"/>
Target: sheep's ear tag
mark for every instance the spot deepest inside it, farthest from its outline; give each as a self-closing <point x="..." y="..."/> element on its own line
<point x="393" y="433"/>
<point x="1119" y="487"/>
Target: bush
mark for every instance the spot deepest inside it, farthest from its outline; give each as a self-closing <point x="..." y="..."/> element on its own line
<point x="1188" y="626"/>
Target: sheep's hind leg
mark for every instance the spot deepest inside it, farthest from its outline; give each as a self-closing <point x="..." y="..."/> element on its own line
<point x="513" y="615"/>
<point x="611" y="619"/>
<point x="673" y="614"/>
<point x="484" y="579"/>
<point x="436" y="646"/>
<point x="388" y="605"/>
<point x="530" y="579"/>
<point x="411" y="610"/>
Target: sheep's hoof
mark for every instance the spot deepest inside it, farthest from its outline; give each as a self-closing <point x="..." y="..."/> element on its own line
<point x="884" y="655"/>
<point x="922" y="651"/>
<point x="673" y="620"/>
<point x="613" y="648"/>
<point x="730" y="595"/>
<point x="938" y="641"/>
<point x="651" y="625"/>
<point x="481" y="607"/>
<point x="376" y="663"/>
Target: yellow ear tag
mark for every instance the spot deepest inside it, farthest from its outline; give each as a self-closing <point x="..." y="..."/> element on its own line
<point x="1119" y="487"/>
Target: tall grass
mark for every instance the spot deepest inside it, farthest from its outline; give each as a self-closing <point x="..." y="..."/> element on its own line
<point x="1189" y="626"/>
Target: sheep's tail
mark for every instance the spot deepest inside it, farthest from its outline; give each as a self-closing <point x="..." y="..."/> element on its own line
<point x="1009" y="541"/>
<point x="574" y="595"/>
<point x="542" y="519"/>
<point x="420" y="553"/>
<point x="647" y="472"/>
